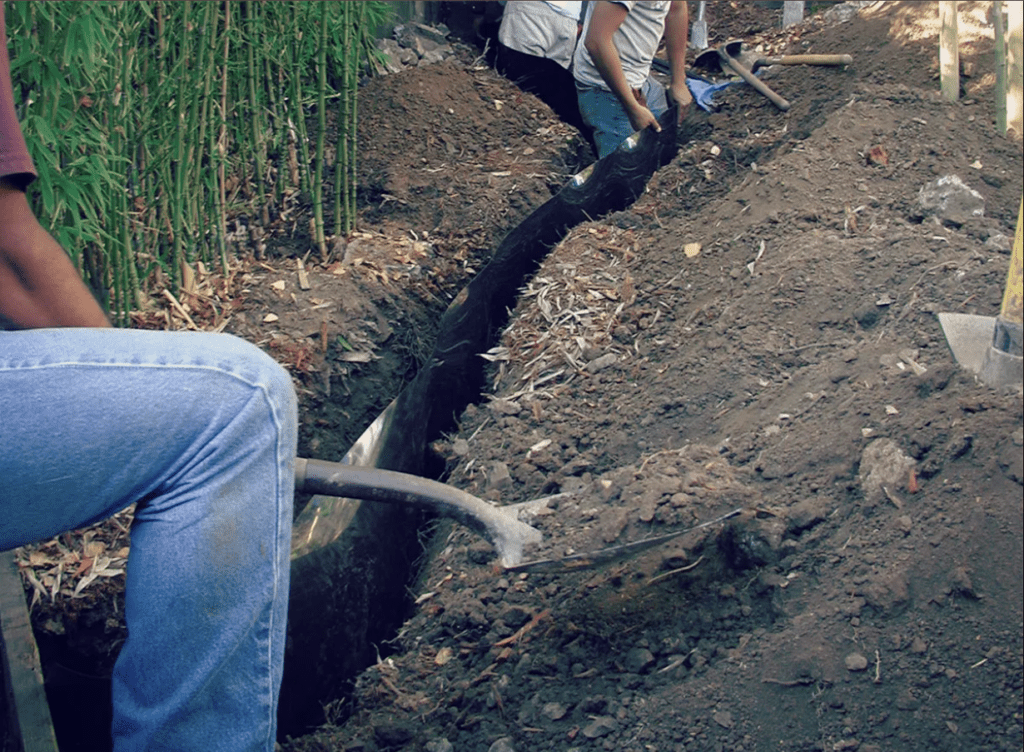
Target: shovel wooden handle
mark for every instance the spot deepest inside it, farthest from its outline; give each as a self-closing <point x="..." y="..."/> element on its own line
<point x="753" y="80"/>
<point x="807" y="60"/>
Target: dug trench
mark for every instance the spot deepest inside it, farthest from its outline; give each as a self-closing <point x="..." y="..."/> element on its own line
<point x="704" y="408"/>
<point x="350" y="587"/>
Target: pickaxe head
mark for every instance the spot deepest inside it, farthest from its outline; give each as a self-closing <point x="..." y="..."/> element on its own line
<point x="713" y="59"/>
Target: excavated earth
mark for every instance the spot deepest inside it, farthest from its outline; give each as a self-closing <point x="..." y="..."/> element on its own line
<point x="758" y="333"/>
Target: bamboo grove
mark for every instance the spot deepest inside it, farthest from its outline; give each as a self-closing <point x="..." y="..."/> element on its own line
<point x="165" y="133"/>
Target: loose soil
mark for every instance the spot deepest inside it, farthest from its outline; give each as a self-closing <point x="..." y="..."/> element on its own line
<point x="757" y="332"/>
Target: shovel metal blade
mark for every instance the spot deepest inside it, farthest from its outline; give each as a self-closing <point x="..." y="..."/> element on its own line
<point x="970" y="339"/>
<point x="699" y="30"/>
<point x="968" y="336"/>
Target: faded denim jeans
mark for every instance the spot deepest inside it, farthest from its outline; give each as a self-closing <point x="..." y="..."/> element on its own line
<point x="200" y="431"/>
<point x="603" y="112"/>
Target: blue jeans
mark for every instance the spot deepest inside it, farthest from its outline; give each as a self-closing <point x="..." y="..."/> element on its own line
<point x="603" y="112"/>
<point x="200" y="430"/>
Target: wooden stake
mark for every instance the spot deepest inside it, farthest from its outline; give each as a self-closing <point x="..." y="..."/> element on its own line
<point x="21" y="675"/>
<point x="792" y="13"/>
<point x="1015" y="70"/>
<point x="1000" y="65"/>
<point x="949" y="51"/>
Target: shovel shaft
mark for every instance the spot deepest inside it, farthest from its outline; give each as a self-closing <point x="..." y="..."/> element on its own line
<point x="507" y="533"/>
<point x="1012" y="309"/>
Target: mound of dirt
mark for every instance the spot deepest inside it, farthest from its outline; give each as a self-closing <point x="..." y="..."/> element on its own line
<point x="757" y="332"/>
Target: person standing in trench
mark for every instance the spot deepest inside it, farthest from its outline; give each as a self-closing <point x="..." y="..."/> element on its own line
<point x="199" y="431"/>
<point x="536" y="43"/>
<point x="612" y="66"/>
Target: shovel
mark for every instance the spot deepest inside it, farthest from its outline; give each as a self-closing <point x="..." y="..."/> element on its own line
<point x="991" y="347"/>
<point x="499" y="525"/>
<point x="699" y="31"/>
<point x="718" y="59"/>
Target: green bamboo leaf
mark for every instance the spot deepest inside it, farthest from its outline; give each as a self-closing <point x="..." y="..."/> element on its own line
<point x="46" y="193"/>
<point x="42" y="129"/>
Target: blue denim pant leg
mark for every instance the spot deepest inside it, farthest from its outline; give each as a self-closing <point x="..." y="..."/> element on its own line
<point x="200" y="430"/>
<point x="603" y="112"/>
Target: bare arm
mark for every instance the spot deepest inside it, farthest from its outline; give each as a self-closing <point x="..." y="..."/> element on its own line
<point x="605" y="21"/>
<point x="676" y="28"/>
<point x="39" y="286"/>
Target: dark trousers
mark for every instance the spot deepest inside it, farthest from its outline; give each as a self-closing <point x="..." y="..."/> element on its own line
<point x="546" y="79"/>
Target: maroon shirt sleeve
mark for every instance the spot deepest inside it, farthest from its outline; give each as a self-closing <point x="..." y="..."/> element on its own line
<point x="15" y="162"/>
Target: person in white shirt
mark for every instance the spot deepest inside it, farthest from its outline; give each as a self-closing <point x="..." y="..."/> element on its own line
<point x="615" y="90"/>
<point x="536" y="42"/>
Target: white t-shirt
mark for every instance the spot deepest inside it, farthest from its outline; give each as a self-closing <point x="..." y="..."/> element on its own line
<point x="636" y="40"/>
<point x="541" y="29"/>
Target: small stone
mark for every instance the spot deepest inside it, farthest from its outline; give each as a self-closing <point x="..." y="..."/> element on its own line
<point x="724" y="719"/>
<point x="435" y="56"/>
<point x="505" y="407"/>
<point x="883" y="465"/>
<point x="807" y="513"/>
<point x="949" y="198"/>
<point x="907" y="701"/>
<point x="856" y="662"/>
<point x="599" y="364"/>
<point x="440" y="745"/>
<point x="867" y="314"/>
<point x="499" y="477"/>
<point x="638" y="660"/>
<point x="600" y="726"/>
<point x="960" y="583"/>
<point x="553" y="710"/>
<point x="999" y="243"/>
<point x="504" y="744"/>
<point x="918" y="645"/>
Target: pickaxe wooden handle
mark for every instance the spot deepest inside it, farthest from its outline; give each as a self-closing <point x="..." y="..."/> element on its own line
<point x="751" y="79"/>
<point x="835" y="60"/>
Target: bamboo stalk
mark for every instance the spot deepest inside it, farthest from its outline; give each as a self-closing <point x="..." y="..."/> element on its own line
<point x="318" y="187"/>
<point x="222" y="147"/>
<point x="300" y="116"/>
<point x="180" y="167"/>
<point x="252" y="28"/>
<point x="129" y="125"/>
<point x="353" y="91"/>
<point x="341" y="153"/>
<point x="199" y="115"/>
<point x="302" y="137"/>
<point x="273" y="135"/>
